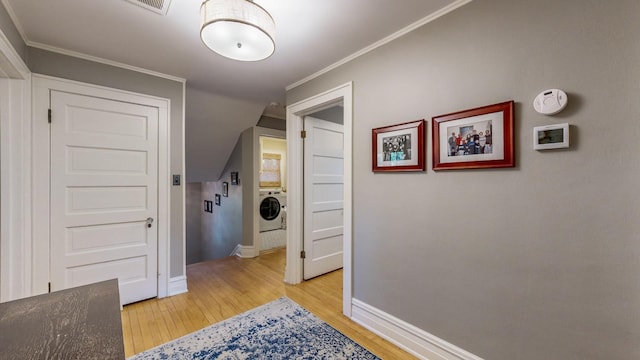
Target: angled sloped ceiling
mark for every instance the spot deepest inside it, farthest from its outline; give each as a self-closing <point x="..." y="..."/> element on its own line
<point x="212" y="127"/>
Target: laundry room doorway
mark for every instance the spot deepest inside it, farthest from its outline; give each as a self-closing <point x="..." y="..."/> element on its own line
<point x="272" y="193"/>
<point x="270" y="210"/>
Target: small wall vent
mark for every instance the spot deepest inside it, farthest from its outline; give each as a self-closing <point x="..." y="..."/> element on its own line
<point x="157" y="6"/>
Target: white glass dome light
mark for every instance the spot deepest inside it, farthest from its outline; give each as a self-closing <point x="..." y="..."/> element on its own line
<point x="237" y="29"/>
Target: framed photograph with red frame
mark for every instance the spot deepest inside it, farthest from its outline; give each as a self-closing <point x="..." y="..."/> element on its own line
<point x="474" y="139"/>
<point x="399" y="147"/>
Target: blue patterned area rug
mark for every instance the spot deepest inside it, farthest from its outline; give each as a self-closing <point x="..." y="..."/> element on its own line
<point x="280" y="329"/>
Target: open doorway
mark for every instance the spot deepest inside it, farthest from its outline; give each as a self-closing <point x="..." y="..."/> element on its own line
<point x="323" y="227"/>
<point x="296" y="114"/>
<point x="272" y="183"/>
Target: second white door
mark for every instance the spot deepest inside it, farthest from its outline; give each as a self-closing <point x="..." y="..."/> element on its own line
<point x="323" y="196"/>
<point x="104" y="194"/>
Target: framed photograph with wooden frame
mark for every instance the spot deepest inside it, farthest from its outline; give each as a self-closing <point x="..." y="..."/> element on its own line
<point x="474" y="139"/>
<point x="225" y="189"/>
<point x="398" y="147"/>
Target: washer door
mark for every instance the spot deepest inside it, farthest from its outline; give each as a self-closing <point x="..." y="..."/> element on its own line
<point x="270" y="208"/>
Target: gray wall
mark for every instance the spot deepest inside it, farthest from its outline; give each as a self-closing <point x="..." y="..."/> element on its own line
<point x="215" y="235"/>
<point x="195" y="213"/>
<point x="230" y="225"/>
<point x="67" y="67"/>
<point x="333" y="114"/>
<point x="535" y="262"/>
<point x="222" y="230"/>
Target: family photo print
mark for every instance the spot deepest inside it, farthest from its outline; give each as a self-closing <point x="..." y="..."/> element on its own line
<point x="398" y="147"/>
<point x="475" y="138"/>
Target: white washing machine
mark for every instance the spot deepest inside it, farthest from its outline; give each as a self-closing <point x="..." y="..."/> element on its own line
<point x="272" y="209"/>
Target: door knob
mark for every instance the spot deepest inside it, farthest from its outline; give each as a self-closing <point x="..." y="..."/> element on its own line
<point x="149" y="222"/>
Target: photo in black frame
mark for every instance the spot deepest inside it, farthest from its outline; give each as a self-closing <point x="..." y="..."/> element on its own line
<point x="218" y="199"/>
<point x="208" y="206"/>
<point x="234" y="178"/>
<point x="225" y="189"/>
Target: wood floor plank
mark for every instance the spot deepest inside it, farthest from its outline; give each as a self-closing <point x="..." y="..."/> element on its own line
<point x="161" y="325"/>
<point x="227" y="287"/>
<point x="145" y="327"/>
<point x="126" y="331"/>
<point x="136" y="330"/>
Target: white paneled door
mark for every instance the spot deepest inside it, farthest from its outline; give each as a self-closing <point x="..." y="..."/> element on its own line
<point x="104" y="194"/>
<point x="323" y="196"/>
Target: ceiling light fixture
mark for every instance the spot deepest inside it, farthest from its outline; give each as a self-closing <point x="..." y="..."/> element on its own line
<point x="237" y="29"/>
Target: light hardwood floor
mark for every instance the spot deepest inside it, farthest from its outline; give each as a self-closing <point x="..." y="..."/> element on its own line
<point x="223" y="288"/>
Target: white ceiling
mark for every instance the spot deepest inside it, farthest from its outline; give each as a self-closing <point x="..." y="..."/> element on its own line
<point x="310" y="35"/>
<point x="224" y="96"/>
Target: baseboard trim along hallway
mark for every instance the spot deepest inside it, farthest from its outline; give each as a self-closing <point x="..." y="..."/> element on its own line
<point x="177" y="285"/>
<point x="245" y="252"/>
<point x="408" y="337"/>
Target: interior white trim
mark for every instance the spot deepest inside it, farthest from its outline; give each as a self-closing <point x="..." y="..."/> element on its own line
<point x="408" y="337"/>
<point x="15" y="180"/>
<point x="236" y="250"/>
<point x="14" y="18"/>
<point x="100" y="60"/>
<point x="15" y="173"/>
<point x="183" y="183"/>
<point x="429" y="18"/>
<point x="246" y="252"/>
<point x="177" y="285"/>
<point x="12" y="63"/>
<point x="42" y="85"/>
<point x="164" y="194"/>
<point x="295" y="200"/>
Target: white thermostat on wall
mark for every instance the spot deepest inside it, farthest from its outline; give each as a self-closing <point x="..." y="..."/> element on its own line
<point x="551" y="137"/>
<point x="550" y="102"/>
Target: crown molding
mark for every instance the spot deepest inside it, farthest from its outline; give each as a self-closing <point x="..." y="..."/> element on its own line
<point x="14" y="18"/>
<point x="11" y="64"/>
<point x="76" y="54"/>
<point x="431" y="17"/>
<point x="103" y="61"/>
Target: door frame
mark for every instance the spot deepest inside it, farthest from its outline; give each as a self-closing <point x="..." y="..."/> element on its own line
<point x="42" y="85"/>
<point x="15" y="174"/>
<point x="295" y="198"/>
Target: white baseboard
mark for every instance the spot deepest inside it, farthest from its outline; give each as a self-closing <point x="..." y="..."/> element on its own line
<point x="245" y="251"/>
<point x="408" y="337"/>
<point x="177" y="285"/>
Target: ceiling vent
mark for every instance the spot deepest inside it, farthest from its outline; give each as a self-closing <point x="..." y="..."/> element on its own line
<point x="157" y="6"/>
